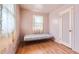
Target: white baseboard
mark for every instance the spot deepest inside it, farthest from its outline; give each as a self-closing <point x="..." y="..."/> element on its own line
<point x="62" y="42"/>
<point x="75" y="50"/>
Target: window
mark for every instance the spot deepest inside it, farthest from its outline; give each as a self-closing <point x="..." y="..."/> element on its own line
<point x="38" y="24"/>
<point x="0" y="18"/>
<point x="8" y="19"/>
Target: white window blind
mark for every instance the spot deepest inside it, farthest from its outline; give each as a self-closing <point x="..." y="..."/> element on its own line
<point x="38" y="24"/>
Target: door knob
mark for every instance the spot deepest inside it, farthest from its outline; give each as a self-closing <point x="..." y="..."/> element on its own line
<point x="70" y="30"/>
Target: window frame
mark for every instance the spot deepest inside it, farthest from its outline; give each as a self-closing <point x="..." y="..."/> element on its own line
<point x="36" y="31"/>
<point x="12" y="15"/>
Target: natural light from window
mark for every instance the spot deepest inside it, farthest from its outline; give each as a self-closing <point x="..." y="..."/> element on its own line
<point x="38" y="24"/>
<point x="8" y="19"/>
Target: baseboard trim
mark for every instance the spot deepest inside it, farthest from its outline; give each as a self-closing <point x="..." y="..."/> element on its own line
<point x="61" y="42"/>
<point x="75" y="50"/>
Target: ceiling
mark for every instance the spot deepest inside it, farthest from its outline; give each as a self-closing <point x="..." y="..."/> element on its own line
<point x="43" y="8"/>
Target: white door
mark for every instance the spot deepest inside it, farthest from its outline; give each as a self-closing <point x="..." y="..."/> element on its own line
<point x="66" y="27"/>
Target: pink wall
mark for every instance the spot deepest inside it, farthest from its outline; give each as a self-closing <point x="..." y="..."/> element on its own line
<point x="17" y="32"/>
<point x="26" y="21"/>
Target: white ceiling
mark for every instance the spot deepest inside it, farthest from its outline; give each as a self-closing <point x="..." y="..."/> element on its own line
<point x="44" y="8"/>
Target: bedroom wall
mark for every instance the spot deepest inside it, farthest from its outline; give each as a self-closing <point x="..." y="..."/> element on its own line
<point x="76" y="21"/>
<point x="17" y="31"/>
<point x="26" y="21"/>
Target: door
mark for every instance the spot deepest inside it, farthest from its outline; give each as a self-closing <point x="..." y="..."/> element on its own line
<point x="67" y="27"/>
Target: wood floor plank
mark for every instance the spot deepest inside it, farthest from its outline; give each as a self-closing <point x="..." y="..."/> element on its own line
<point x="44" y="47"/>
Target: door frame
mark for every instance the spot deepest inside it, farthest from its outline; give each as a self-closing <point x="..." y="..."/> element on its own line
<point x="70" y="26"/>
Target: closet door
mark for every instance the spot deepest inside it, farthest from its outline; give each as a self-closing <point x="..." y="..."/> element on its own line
<point x="67" y="27"/>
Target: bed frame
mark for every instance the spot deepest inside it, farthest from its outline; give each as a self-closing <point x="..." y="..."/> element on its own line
<point x="33" y="37"/>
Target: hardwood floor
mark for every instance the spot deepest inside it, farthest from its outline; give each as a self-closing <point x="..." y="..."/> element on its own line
<point x="44" y="47"/>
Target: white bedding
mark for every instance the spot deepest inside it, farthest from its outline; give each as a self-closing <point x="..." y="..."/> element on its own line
<point x="36" y="37"/>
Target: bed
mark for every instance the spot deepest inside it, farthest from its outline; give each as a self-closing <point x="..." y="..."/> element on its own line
<point x="37" y="37"/>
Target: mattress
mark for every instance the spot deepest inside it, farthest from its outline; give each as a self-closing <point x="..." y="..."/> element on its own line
<point x="37" y="37"/>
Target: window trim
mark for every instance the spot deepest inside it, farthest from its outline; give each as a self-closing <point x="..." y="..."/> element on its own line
<point x="34" y="23"/>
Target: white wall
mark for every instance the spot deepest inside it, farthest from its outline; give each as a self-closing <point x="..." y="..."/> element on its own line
<point x="76" y="21"/>
<point x="54" y="25"/>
